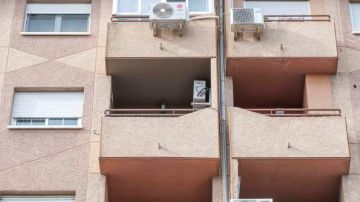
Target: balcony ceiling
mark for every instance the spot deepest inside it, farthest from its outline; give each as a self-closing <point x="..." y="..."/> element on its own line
<point x="159" y="180"/>
<point x="295" y="180"/>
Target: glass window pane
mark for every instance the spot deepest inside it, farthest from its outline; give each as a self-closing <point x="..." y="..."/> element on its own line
<point x="41" y="23"/>
<point x="280" y="7"/>
<point x="55" y="121"/>
<point x="128" y="6"/>
<point x="37" y="122"/>
<point x="145" y="5"/>
<point x="70" y="121"/>
<point x="355" y="16"/>
<point x="23" y="121"/>
<point x="74" y="23"/>
<point x="198" y="5"/>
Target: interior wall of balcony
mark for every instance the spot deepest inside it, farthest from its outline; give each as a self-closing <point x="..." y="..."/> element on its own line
<point x="149" y="83"/>
<point x="317" y="92"/>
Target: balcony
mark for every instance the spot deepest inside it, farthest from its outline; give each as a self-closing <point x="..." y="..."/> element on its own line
<point x="128" y="39"/>
<point x="147" y="155"/>
<point x="289" y="155"/>
<point x="155" y="146"/>
<point x="289" y="44"/>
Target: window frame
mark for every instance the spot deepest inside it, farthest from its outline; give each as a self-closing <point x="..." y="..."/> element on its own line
<point x="138" y="13"/>
<point x="29" y="198"/>
<point x="307" y="2"/>
<point x="13" y="124"/>
<point x="352" y="18"/>
<point x="14" y="119"/>
<point x="57" y="9"/>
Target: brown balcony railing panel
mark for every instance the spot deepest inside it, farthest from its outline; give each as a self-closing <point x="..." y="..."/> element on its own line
<point x="147" y="112"/>
<point x="294" y="112"/>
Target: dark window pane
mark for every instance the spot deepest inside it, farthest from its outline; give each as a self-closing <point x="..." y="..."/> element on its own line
<point x="23" y="122"/>
<point x="70" y="121"/>
<point x="38" y="122"/>
<point x="41" y="23"/>
<point x="74" y="23"/>
<point x="55" y="121"/>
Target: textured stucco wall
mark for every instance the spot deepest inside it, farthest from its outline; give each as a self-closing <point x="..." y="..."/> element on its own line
<point x="45" y="161"/>
<point x="191" y="135"/>
<point x="217" y="189"/>
<point x="346" y="90"/>
<point x="135" y="39"/>
<point x="350" y="187"/>
<point x="96" y="186"/>
<point x="256" y="135"/>
<point x="299" y="39"/>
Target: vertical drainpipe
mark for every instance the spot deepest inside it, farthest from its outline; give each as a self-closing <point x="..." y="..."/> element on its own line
<point x="223" y="121"/>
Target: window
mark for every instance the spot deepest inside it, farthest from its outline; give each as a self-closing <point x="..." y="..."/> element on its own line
<point x="355" y="17"/>
<point x="47" y="109"/>
<point x="54" y="18"/>
<point x="141" y="7"/>
<point x="28" y="198"/>
<point x="280" y="7"/>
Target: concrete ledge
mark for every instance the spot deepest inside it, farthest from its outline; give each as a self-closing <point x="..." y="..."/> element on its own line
<point x="135" y="39"/>
<point x="258" y="136"/>
<point x="191" y="135"/>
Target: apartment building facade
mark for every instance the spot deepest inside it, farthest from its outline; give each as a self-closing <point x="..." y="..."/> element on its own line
<point x="97" y="105"/>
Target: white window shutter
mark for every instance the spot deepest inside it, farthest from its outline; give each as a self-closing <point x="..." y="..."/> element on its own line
<point x="280" y="7"/>
<point x="48" y="104"/>
<point x="58" y="8"/>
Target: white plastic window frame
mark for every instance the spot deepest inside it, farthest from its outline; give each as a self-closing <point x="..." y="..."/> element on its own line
<point x="352" y="19"/>
<point x="308" y="4"/>
<point x="46" y="125"/>
<point x="138" y="13"/>
<point x="58" y="17"/>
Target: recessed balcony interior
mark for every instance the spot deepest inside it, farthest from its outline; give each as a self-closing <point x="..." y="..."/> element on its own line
<point x="153" y="83"/>
<point x="272" y="82"/>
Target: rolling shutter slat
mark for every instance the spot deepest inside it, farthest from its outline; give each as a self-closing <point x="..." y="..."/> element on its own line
<point x="47" y="105"/>
<point x="280" y="7"/>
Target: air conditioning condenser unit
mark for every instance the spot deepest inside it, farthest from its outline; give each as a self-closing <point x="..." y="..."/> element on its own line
<point x="171" y="16"/>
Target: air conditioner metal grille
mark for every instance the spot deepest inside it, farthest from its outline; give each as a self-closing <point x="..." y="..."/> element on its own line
<point x="163" y="10"/>
<point x="243" y="16"/>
